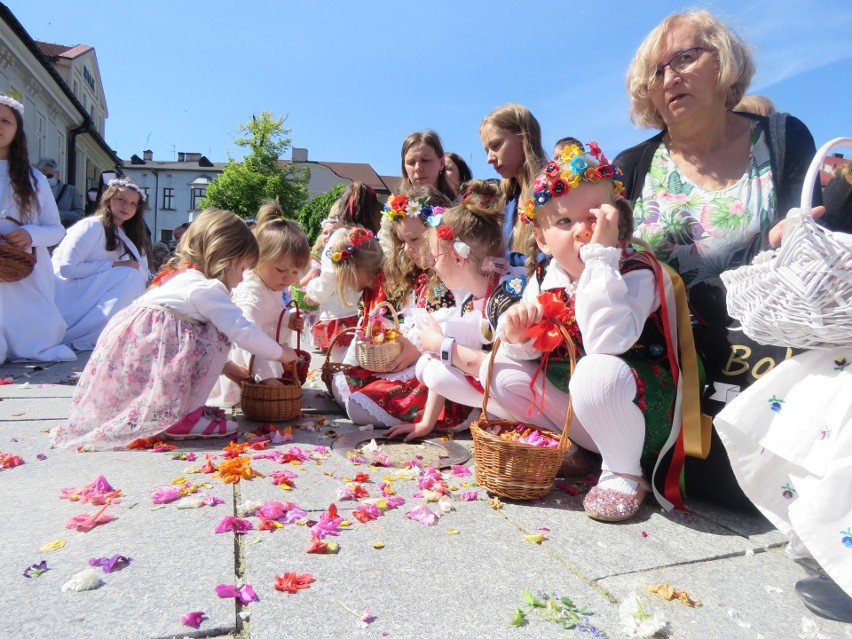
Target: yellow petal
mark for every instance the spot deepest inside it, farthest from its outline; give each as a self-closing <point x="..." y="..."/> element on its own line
<point x="53" y="545"/>
<point x="331" y="548"/>
<point x="452" y="531"/>
<point x="345" y="523"/>
<point x="379" y="545"/>
<point x="536" y="539"/>
<point x="495" y="503"/>
<point x="177" y="481"/>
<point x="285" y="487"/>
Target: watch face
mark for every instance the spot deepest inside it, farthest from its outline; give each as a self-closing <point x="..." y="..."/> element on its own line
<point x="445" y="355"/>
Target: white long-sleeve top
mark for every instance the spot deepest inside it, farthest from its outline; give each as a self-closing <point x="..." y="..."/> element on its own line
<point x="82" y="253"/>
<point x="323" y="288"/>
<point x="191" y="294"/>
<point x="611" y="308"/>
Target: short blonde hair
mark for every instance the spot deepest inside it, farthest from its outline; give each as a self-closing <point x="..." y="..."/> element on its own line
<point x="213" y="241"/>
<point x="757" y="104"/>
<point x="733" y="58"/>
<point x="368" y="255"/>
<point x="278" y="237"/>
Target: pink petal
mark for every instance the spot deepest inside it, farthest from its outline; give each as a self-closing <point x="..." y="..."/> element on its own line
<point x="461" y="471"/>
<point x="471" y="495"/>
<point x="193" y="619"/>
<point x="85" y="523"/>
<point x="224" y="591"/>
<point x="247" y="594"/>
<point x="423" y="515"/>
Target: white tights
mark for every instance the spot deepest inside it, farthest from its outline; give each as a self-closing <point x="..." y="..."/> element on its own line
<point x="606" y="420"/>
<point x="449" y="382"/>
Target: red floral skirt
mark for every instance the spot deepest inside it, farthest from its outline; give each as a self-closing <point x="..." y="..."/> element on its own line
<point x="324" y="331"/>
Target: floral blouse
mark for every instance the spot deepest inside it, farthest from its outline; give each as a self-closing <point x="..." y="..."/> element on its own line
<point x="700" y="232"/>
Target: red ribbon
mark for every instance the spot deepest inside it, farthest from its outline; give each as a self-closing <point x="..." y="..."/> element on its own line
<point x="546" y="337"/>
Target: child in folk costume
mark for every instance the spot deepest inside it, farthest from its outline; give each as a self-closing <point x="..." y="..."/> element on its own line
<point x="31" y="326"/>
<point x="102" y="264"/>
<point x="396" y="397"/>
<point x="619" y="311"/>
<point x="466" y="245"/>
<point x="284" y="252"/>
<point x="158" y="359"/>
<point x="358" y="207"/>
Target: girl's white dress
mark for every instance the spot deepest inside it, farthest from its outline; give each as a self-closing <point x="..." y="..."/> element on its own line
<point x="89" y="289"/>
<point x="156" y="361"/>
<point x="789" y="438"/>
<point x="31" y="326"/>
<point x="262" y="307"/>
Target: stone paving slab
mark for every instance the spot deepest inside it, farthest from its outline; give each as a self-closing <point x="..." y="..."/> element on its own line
<point x="21" y="409"/>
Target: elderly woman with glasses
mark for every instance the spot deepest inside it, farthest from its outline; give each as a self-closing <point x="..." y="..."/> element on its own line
<point x="708" y="191"/>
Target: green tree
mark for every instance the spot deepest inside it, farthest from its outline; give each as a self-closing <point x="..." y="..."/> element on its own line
<point x="316" y="210"/>
<point x="243" y="186"/>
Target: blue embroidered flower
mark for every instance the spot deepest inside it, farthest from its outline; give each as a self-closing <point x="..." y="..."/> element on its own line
<point x="840" y="364"/>
<point x="516" y="285"/>
<point x="846" y="539"/>
<point x="656" y="350"/>
<point x="775" y="404"/>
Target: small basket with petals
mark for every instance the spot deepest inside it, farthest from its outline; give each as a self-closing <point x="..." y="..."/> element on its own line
<point x="518" y="461"/>
<point x="329" y="367"/>
<point x="15" y="264"/>
<point x="799" y="295"/>
<point x="377" y="346"/>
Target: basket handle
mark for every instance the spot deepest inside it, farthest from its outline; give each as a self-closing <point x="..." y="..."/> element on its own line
<point x="813" y="169"/>
<point x="351" y="329"/>
<point x="368" y="333"/>
<point x="295" y="305"/>
<point x="572" y="357"/>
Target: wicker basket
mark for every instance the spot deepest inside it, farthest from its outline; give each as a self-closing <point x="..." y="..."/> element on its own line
<point x="511" y="469"/>
<point x="15" y="264"/>
<point x="303" y="363"/>
<point x="799" y="295"/>
<point x="329" y="368"/>
<point x="377" y="358"/>
<point x="264" y="403"/>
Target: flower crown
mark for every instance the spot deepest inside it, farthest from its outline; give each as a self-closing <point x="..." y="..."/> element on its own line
<point x="560" y="176"/>
<point x="127" y="184"/>
<point x="357" y="237"/>
<point x="9" y="99"/>
<point x="447" y="234"/>
<point x="399" y="207"/>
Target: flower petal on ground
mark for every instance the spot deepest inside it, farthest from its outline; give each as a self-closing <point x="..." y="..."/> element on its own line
<point x="85" y="523"/>
<point x="234" y="524"/>
<point x="84" y="580"/>
<point x="423" y="515"/>
<point x="109" y="564"/>
<point x="193" y="619"/>
<point x="292" y="583"/>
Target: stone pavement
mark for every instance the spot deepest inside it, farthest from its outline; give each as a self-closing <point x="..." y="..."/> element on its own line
<point x="461" y="577"/>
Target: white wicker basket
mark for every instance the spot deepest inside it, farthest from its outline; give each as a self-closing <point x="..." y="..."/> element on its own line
<point x="800" y="294"/>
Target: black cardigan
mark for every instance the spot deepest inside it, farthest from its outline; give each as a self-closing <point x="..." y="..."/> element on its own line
<point x="790" y="144"/>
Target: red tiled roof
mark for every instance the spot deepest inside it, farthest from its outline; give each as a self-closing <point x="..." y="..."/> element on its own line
<point x="828" y="167"/>
<point x="53" y="50"/>
<point x="391" y="182"/>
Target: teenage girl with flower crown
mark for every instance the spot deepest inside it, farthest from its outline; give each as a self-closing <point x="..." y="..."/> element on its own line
<point x="31" y="326"/>
<point x="618" y="308"/>
<point x="158" y="359"/>
<point x="284" y="252"/>
<point x="102" y="264"/>
<point x="466" y="245"/>
<point x="388" y="399"/>
<point x="358" y="207"/>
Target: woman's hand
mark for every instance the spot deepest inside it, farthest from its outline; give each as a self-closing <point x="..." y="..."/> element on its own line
<point x="235" y="372"/>
<point x="606" y="225"/>
<point x="776" y="233"/>
<point x="520" y="318"/>
<point x="407" y="356"/>
<point x="128" y="263"/>
<point x="20" y="239"/>
<point x="411" y="431"/>
<point x="287" y="355"/>
<point x="297" y="322"/>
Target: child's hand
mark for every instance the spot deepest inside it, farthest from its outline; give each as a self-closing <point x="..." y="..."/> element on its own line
<point x="128" y="263"/>
<point x="297" y="322"/>
<point x="287" y="355"/>
<point x="431" y="338"/>
<point x="519" y="318"/>
<point x="606" y="225"/>
<point x="235" y="372"/>
<point x="20" y="239"/>
<point x="309" y="301"/>
<point x="407" y="356"/>
<point x="411" y="431"/>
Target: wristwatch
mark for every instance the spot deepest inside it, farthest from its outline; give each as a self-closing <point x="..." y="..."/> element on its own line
<point x="447" y="351"/>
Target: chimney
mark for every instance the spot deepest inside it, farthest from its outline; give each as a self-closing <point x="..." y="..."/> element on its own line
<point x="300" y="154"/>
<point x="148" y="155"/>
<point x="837" y="155"/>
<point x="192" y="157"/>
<point x="181" y="156"/>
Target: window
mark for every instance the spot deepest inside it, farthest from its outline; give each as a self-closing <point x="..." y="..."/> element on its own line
<point x="166" y="236"/>
<point x="40" y="134"/>
<point x="147" y="194"/>
<point x="168" y="198"/>
<point x="197" y="194"/>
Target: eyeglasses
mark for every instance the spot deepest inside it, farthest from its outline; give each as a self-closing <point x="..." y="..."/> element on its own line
<point x="680" y="62"/>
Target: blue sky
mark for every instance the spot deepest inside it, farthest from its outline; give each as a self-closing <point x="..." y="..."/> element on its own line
<point x="354" y="78"/>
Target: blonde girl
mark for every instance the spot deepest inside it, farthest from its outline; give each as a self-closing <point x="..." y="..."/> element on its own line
<point x="511" y="137"/>
<point x="31" y="326"/>
<point x="102" y="264"/>
<point x="357" y="206"/>
<point x="466" y="246"/>
<point x="608" y="297"/>
<point x="158" y="359"/>
<point x="284" y="252"/>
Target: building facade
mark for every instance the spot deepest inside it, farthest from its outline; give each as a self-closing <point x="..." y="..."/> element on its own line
<point x="64" y="105"/>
